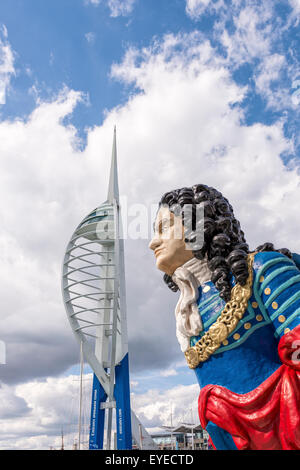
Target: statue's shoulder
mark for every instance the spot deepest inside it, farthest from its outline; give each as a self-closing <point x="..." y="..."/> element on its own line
<point x="296" y="259"/>
<point x="268" y="259"/>
<point x="271" y="268"/>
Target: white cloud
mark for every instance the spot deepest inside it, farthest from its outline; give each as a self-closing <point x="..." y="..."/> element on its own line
<point x="252" y="36"/>
<point x="193" y="95"/>
<point x="92" y="2"/>
<point x="168" y="372"/>
<point x="159" y="408"/>
<point x="7" y="69"/>
<point x="269" y="72"/>
<point x="33" y="415"/>
<point x="4" y="31"/>
<point x="295" y="4"/>
<point x="253" y="39"/>
<point x="117" y="7"/>
<point x="120" y="7"/>
<point x="31" y="246"/>
<point x="195" y="8"/>
<point x="52" y="58"/>
<point x="90" y="37"/>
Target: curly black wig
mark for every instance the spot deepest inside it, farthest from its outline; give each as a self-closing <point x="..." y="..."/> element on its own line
<point x="224" y="243"/>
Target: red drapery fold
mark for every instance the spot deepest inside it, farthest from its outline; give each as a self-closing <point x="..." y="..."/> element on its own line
<point x="266" y="418"/>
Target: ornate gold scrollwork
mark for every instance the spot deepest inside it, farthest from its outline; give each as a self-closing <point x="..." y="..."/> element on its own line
<point x="225" y="324"/>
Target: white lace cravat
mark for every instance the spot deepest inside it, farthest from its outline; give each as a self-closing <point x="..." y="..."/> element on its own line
<point x="188" y="277"/>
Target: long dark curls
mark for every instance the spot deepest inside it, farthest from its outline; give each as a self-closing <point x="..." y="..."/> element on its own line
<point x="224" y="244"/>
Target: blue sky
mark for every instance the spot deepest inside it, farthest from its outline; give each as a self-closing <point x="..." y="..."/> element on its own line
<point x="201" y="91"/>
<point x="74" y="43"/>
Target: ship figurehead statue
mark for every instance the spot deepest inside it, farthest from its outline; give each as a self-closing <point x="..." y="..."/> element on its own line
<point x="237" y="320"/>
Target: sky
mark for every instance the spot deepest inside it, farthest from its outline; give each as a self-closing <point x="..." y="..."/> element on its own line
<point x="201" y="91"/>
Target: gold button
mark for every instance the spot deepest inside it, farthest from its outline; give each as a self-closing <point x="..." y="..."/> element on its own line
<point x="254" y="304"/>
<point x="225" y="342"/>
<point x="206" y="288"/>
<point x="281" y="318"/>
<point x="286" y="330"/>
<point x="261" y="279"/>
<point x="236" y="336"/>
<point x="247" y="326"/>
<point x="259" y="317"/>
<point x="275" y="305"/>
<point x="267" y="291"/>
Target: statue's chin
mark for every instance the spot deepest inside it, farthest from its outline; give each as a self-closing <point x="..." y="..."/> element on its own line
<point x="161" y="265"/>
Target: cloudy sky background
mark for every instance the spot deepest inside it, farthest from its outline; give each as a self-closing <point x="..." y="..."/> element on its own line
<point x="201" y="91"/>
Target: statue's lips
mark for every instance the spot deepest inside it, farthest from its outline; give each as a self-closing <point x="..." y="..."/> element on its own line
<point x="158" y="251"/>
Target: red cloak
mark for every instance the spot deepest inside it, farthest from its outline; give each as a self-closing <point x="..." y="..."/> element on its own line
<point x="268" y="417"/>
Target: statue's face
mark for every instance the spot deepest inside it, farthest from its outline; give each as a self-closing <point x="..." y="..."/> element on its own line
<point x="168" y="242"/>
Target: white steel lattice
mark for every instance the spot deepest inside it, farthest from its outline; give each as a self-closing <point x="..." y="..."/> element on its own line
<point x="91" y="290"/>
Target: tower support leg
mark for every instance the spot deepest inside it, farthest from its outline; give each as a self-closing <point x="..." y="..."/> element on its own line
<point x="97" y="416"/>
<point x="123" y="411"/>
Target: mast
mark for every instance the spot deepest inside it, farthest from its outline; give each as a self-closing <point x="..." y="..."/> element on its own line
<point x="113" y="198"/>
<point x="80" y="397"/>
<point x="62" y="439"/>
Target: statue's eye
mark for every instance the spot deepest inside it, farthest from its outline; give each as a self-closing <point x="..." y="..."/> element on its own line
<point x="165" y="227"/>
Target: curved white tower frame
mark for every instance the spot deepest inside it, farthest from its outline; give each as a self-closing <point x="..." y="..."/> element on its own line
<point x="93" y="286"/>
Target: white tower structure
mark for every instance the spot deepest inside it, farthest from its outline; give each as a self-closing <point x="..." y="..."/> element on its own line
<point x="93" y="286"/>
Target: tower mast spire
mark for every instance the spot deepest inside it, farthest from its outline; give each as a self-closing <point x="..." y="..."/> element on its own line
<point x="113" y="186"/>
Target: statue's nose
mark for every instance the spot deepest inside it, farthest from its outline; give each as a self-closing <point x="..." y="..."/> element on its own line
<point x="155" y="242"/>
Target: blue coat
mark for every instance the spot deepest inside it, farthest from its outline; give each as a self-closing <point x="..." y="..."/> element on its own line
<point x="249" y="355"/>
